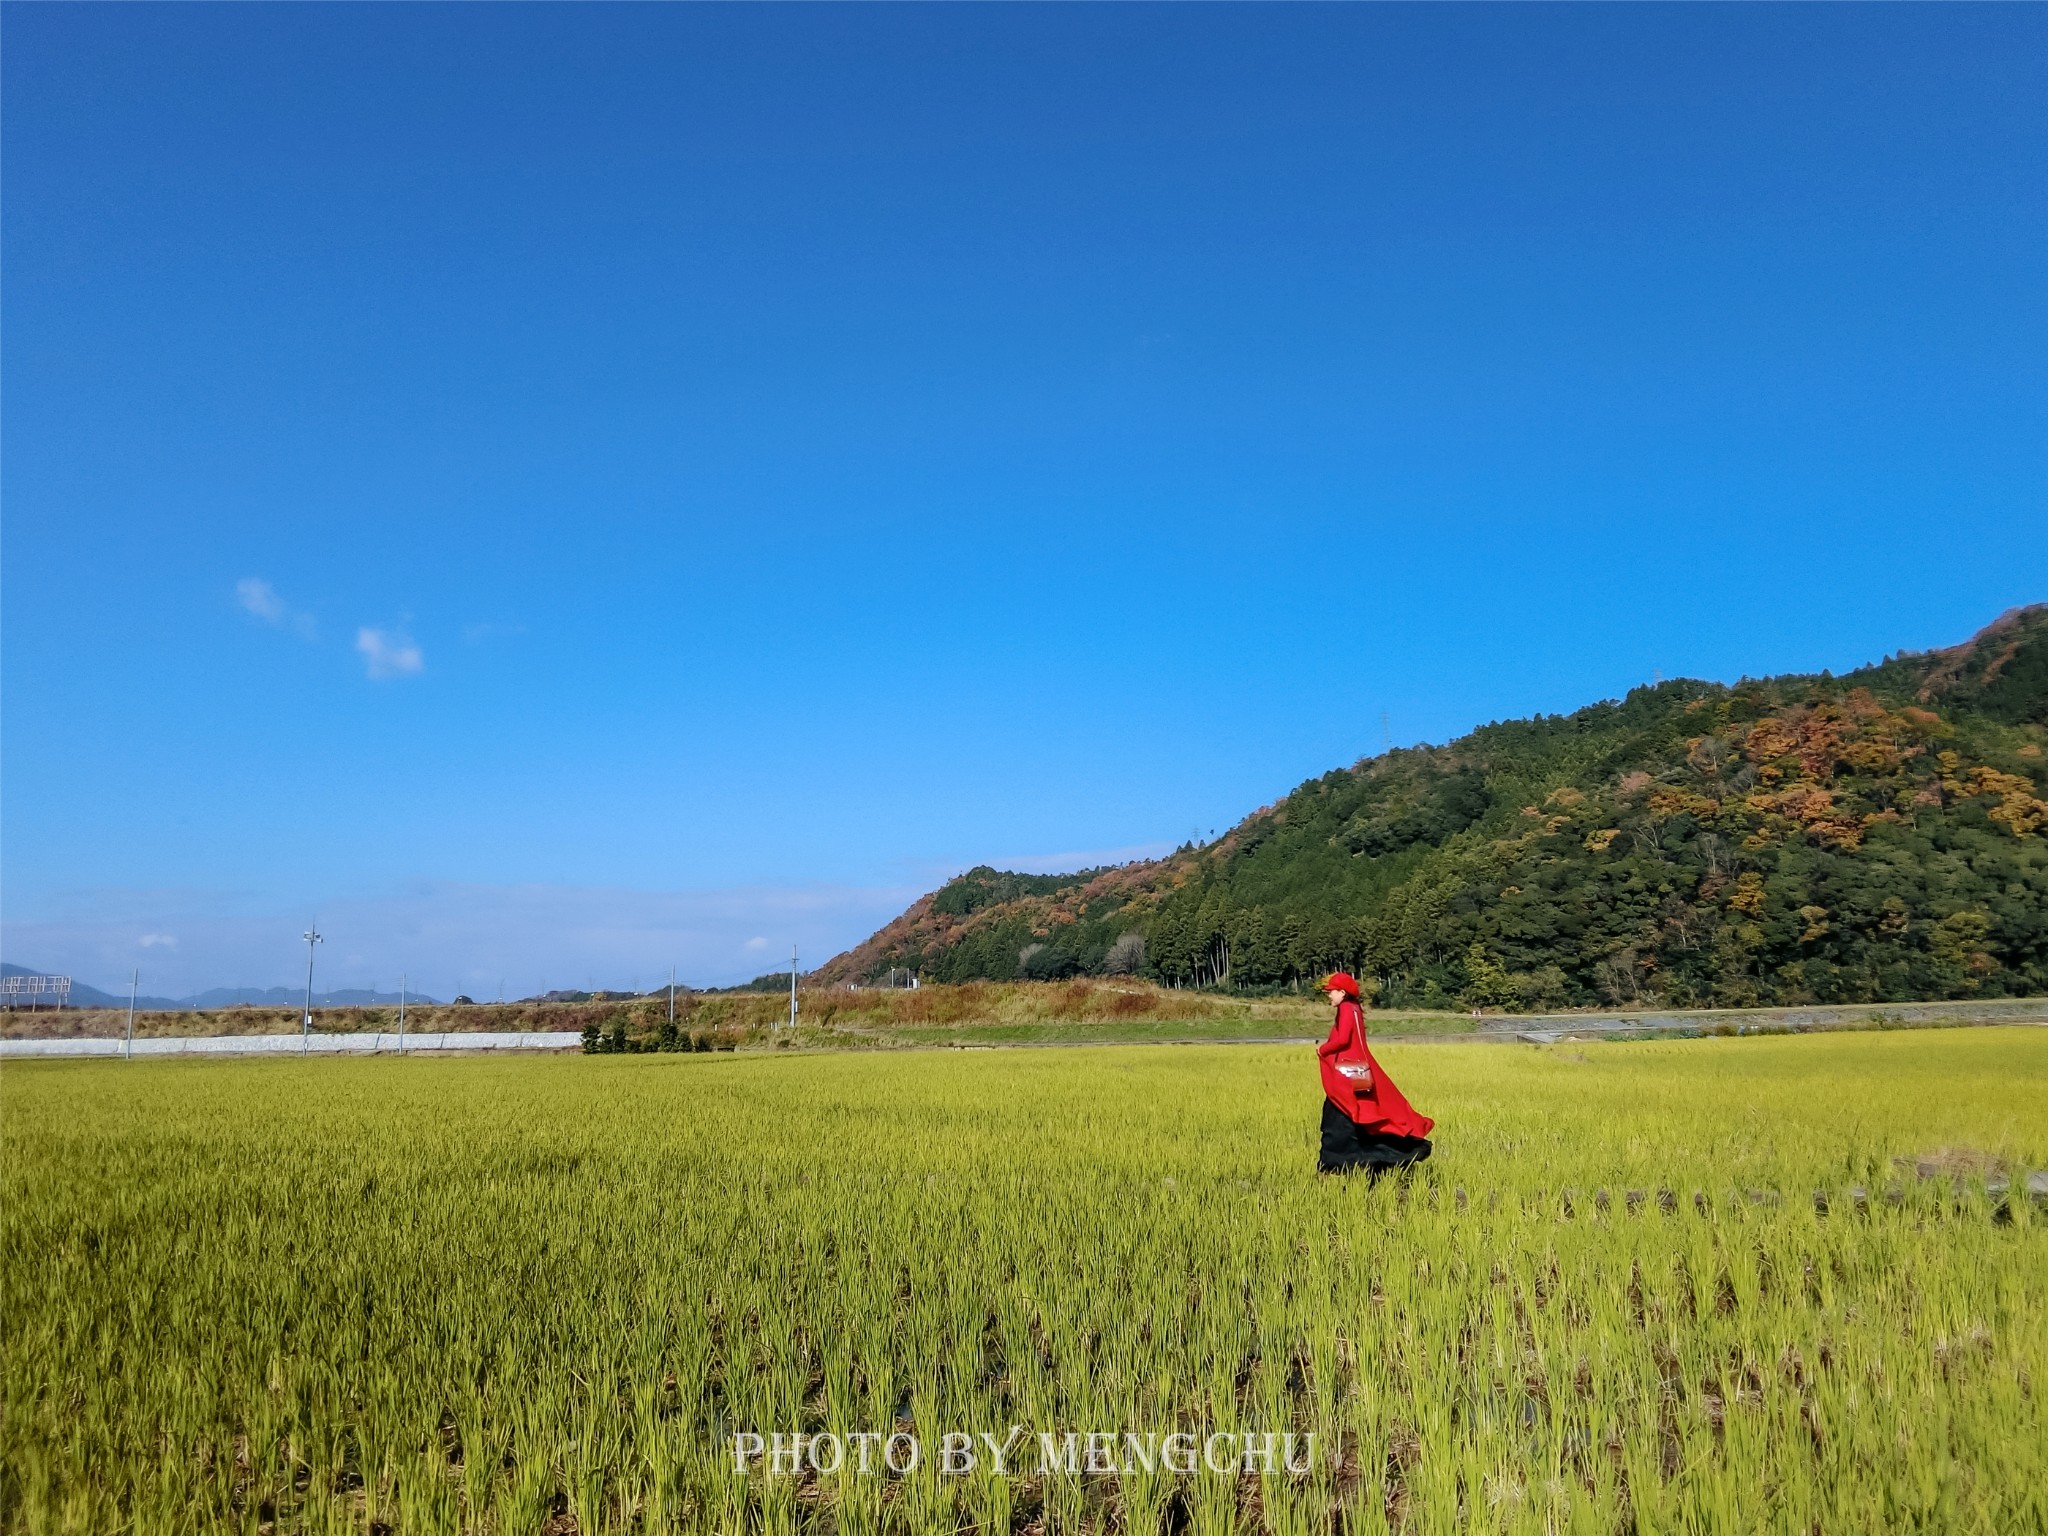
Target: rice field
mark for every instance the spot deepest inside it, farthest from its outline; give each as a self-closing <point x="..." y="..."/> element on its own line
<point x="565" y="1294"/>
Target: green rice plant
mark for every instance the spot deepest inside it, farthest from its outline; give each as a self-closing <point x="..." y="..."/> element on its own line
<point x="482" y="1295"/>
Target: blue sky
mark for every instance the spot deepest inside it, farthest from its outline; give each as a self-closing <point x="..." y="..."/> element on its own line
<point x="556" y="492"/>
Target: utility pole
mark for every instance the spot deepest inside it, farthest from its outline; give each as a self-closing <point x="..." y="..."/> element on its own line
<point x="312" y="937"/>
<point x="792" y="986"/>
<point x="671" y="997"/>
<point x="134" y="981"/>
<point x="1386" y="732"/>
<point x="401" y="1010"/>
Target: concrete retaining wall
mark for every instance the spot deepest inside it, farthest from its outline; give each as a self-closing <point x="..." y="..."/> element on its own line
<point x="367" y="1043"/>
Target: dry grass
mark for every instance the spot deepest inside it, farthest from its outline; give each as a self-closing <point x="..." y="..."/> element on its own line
<point x="746" y="1014"/>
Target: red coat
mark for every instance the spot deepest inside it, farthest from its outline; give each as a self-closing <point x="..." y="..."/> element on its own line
<point x="1379" y="1107"/>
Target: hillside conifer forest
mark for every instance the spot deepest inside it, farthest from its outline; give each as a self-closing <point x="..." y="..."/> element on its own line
<point x="1880" y="836"/>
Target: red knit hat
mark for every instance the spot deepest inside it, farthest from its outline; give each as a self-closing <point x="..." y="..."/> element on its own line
<point x="1341" y="981"/>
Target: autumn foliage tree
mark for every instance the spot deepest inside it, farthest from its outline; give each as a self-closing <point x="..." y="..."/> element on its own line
<point x="1879" y="836"/>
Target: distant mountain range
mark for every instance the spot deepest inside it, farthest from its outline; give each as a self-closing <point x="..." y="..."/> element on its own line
<point x="83" y="996"/>
<point x="1880" y="836"/>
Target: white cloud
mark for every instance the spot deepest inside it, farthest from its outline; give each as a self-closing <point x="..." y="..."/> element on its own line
<point x="387" y="653"/>
<point x="477" y="634"/>
<point x="158" y="941"/>
<point x="755" y="945"/>
<point x="260" y="598"/>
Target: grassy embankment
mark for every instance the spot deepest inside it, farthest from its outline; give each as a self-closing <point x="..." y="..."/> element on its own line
<point x="980" y="1013"/>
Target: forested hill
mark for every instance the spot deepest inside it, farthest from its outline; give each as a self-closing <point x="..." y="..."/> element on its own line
<point x="1877" y="836"/>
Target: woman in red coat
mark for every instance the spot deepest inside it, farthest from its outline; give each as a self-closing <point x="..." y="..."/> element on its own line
<point x="1366" y="1122"/>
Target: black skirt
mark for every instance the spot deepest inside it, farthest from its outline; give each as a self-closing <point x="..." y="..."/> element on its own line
<point x="1349" y="1146"/>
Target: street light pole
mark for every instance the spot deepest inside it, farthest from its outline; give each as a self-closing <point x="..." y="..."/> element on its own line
<point x="312" y="937"/>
